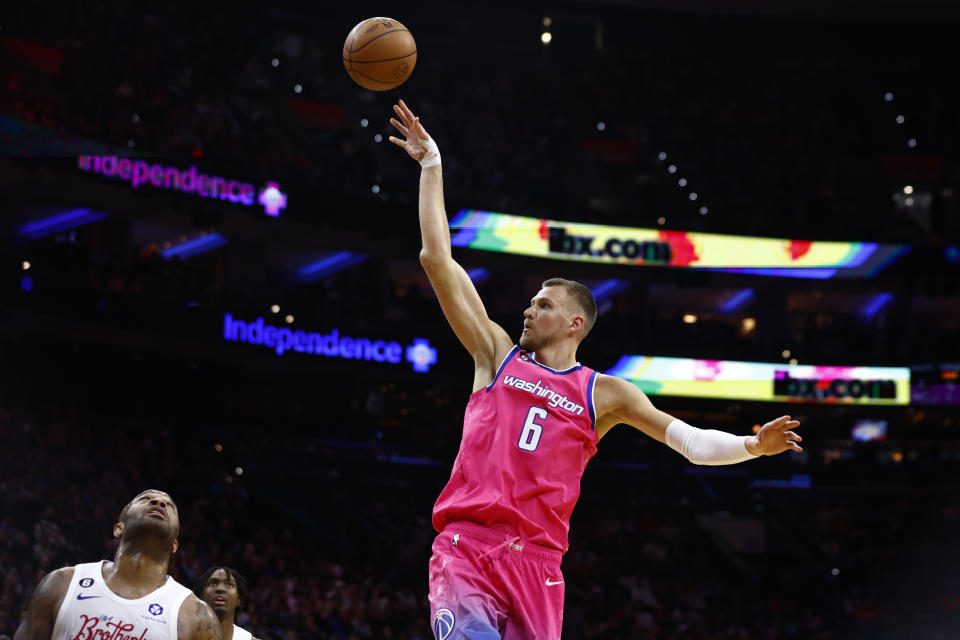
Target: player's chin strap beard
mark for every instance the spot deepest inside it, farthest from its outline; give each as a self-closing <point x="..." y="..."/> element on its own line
<point x="142" y="539"/>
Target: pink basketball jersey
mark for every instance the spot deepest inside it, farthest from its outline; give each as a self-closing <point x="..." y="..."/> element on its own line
<point x="527" y="438"/>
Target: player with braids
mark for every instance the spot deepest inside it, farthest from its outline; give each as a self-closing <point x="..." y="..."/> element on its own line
<point x="531" y="425"/>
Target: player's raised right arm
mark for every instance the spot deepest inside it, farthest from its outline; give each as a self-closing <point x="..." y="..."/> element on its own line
<point x="461" y="303"/>
<point x="41" y="614"/>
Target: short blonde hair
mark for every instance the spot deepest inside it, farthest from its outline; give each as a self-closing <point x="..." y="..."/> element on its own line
<point x="583" y="296"/>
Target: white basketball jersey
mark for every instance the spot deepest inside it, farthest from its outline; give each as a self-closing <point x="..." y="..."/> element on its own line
<point x="241" y="634"/>
<point x="91" y="611"/>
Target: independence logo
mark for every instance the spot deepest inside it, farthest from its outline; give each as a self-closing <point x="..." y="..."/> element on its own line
<point x="138" y="172"/>
<point x="418" y="353"/>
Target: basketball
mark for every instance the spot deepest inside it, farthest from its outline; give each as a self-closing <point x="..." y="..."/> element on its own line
<point x="379" y="54"/>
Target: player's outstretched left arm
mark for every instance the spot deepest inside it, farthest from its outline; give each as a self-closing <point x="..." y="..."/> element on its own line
<point x="620" y="401"/>
<point x="197" y="621"/>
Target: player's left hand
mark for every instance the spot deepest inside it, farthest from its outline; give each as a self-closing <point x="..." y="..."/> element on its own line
<point x="775" y="437"/>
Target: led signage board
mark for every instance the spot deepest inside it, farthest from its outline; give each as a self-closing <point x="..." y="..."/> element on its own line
<point x="141" y="173"/>
<point x="332" y="344"/>
<point x="765" y="381"/>
<point x="543" y="238"/>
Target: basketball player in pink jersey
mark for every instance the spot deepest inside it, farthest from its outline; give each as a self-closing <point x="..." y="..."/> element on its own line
<point x="225" y="590"/>
<point x="531" y="425"/>
<point x="131" y="598"/>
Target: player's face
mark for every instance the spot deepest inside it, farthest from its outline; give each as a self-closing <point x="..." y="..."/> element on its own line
<point x="547" y="319"/>
<point x="154" y="509"/>
<point x="221" y="594"/>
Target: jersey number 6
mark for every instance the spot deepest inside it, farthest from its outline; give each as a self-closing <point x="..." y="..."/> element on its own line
<point x="530" y="436"/>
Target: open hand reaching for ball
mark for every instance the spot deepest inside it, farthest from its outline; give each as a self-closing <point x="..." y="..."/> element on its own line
<point x="417" y="143"/>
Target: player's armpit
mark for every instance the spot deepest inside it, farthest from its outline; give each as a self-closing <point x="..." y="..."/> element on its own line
<point x="486" y="341"/>
<point x="44" y="605"/>
<point x="197" y="621"/>
<point x="628" y="404"/>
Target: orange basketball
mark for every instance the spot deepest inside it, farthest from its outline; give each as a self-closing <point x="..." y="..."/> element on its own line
<point x="379" y="54"/>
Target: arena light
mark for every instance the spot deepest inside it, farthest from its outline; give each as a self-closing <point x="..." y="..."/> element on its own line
<point x="765" y="381"/>
<point x="59" y="223"/>
<point x="479" y="275"/>
<point x="878" y="302"/>
<point x="736" y="301"/>
<point x="194" y="246"/>
<point x="607" y="289"/>
<point x="329" y="265"/>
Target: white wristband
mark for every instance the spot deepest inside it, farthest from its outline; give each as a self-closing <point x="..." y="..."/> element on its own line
<point x="707" y="446"/>
<point x="432" y="155"/>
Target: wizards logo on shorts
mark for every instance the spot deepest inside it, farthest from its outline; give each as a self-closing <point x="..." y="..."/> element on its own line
<point x="443" y="624"/>
<point x="155" y="609"/>
<point x="86" y="582"/>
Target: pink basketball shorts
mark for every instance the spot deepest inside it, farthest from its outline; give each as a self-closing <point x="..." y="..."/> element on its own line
<point x="485" y="585"/>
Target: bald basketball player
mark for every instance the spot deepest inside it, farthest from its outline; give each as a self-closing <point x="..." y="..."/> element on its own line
<point x="532" y="423"/>
<point x="131" y="598"/>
